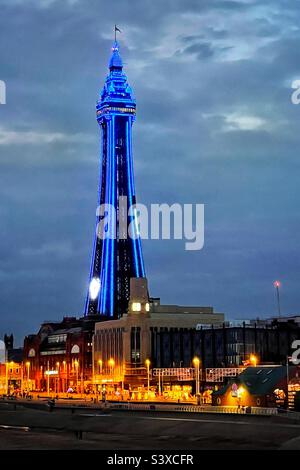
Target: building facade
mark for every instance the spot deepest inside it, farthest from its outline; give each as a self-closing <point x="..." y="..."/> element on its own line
<point x="264" y="385"/>
<point x="123" y="347"/>
<point x="11" y="367"/>
<point x="225" y="345"/>
<point x="59" y="357"/>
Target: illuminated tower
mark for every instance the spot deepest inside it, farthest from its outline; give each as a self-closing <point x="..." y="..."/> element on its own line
<point x="116" y="258"/>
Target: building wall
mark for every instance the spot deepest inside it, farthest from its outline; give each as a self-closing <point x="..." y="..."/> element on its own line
<point x="70" y="356"/>
<point x="222" y="347"/>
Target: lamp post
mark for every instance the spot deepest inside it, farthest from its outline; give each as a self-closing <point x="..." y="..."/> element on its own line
<point x="6" y="378"/>
<point x="111" y="364"/>
<point x="76" y="368"/>
<point x="277" y="285"/>
<point x="147" y="362"/>
<point x="196" y="362"/>
<point x="253" y="360"/>
<point x="58" y="377"/>
<point x="28" y="373"/>
<point x="64" y="377"/>
<point x="48" y="379"/>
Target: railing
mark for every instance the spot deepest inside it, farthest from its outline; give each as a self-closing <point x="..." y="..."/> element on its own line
<point x="195" y="408"/>
<point x="218" y="375"/>
<point x="181" y="373"/>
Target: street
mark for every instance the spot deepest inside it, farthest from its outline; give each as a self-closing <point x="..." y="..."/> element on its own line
<point x="36" y="428"/>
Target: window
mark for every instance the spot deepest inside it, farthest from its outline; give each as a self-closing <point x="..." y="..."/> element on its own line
<point x="136" y="306"/>
<point x="31" y="353"/>
<point x="54" y="339"/>
<point x="75" y="349"/>
<point x="135" y="341"/>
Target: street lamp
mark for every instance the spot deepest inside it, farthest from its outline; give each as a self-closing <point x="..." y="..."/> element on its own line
<point x="277" y="285"/>
<point x="58" y="381"/>
<point x="111" y="364"/>
<point x="196" y="362"/>
<point x="28" y="373"/>
<point x="147" y="362"/>
<point x="253" y="360"/>
<point x="76" y="368"/>
<point x="100" y="364"/>
<point x="64" y="377"/>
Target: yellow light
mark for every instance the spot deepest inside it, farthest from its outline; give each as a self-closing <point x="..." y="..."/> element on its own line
<point x="100" y="362"/>
<point x="253" y="359"/>
<point x="64" y="363"/>
<point x="111" y="362"/>
<point x="147" y="307"/>
<point x="147" y="362"/>
<point x="241" y="390"/>
<point x="76" y="363"/>
<point x="57" y="364"/>
<point x="28" y="364"/>
<point x="136" y="306"/>
<point x="196" y="361"/>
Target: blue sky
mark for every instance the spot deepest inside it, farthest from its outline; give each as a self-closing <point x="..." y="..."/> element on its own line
<point x="215" y="125"/>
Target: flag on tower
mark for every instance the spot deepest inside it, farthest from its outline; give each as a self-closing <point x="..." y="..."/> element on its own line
<point x="117" y="29"/>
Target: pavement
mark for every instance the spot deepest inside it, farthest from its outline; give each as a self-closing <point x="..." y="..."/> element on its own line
<point x="37" y="428"/>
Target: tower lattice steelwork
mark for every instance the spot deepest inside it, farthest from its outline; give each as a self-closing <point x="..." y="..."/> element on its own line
<point x="116" y="258"/>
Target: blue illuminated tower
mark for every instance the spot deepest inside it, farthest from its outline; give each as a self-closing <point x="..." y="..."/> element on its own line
<point x="115" y="259"/>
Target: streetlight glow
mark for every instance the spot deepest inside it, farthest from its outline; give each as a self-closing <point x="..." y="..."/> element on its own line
<point x="253" y="359"/>
<point x="196" y="363"/>
<point x="111" y="362"/>
<point x="148" y="362"/>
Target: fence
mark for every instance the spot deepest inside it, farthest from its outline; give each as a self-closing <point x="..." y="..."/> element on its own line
<point x="194" y="408"/>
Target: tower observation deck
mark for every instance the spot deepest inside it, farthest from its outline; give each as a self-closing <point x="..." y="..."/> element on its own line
<point x="116" y="256"/>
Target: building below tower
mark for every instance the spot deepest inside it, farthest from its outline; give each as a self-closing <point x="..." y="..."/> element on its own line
<point x="128" y="343"/>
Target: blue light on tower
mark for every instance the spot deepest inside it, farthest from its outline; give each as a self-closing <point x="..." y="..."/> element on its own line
<point x="115" y="260"/>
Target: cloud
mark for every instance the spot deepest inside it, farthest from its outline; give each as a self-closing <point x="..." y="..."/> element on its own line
<point x="57" y="249"/>
<point x="9" y="137"/>
<point x="234" y="122"/>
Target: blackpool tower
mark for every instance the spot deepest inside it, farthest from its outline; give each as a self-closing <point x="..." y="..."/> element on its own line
<point x="117" y="255"/>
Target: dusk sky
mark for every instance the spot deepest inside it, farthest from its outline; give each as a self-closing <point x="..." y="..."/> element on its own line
<point x="215" y="125"/>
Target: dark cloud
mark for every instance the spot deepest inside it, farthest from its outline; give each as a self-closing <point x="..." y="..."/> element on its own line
<point x="215" y="125"/>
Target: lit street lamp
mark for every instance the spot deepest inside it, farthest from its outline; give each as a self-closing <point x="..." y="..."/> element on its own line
<point x="196" y="362"/>
<point x="76" y="368"/>
<point x="147" y="362"/>
<point x="64" y="376"/>
<point x="28" y="373"/>
<point x="58" y="381"/>
<point x="111" y="364"/>
<point x="253" y="360"/>
<point x="277" y="285"/>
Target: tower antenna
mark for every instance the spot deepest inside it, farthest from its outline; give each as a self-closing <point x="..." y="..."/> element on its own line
<point x="117" y="29"/>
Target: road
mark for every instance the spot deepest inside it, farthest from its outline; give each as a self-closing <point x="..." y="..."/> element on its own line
<point x="33" y="428"/>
